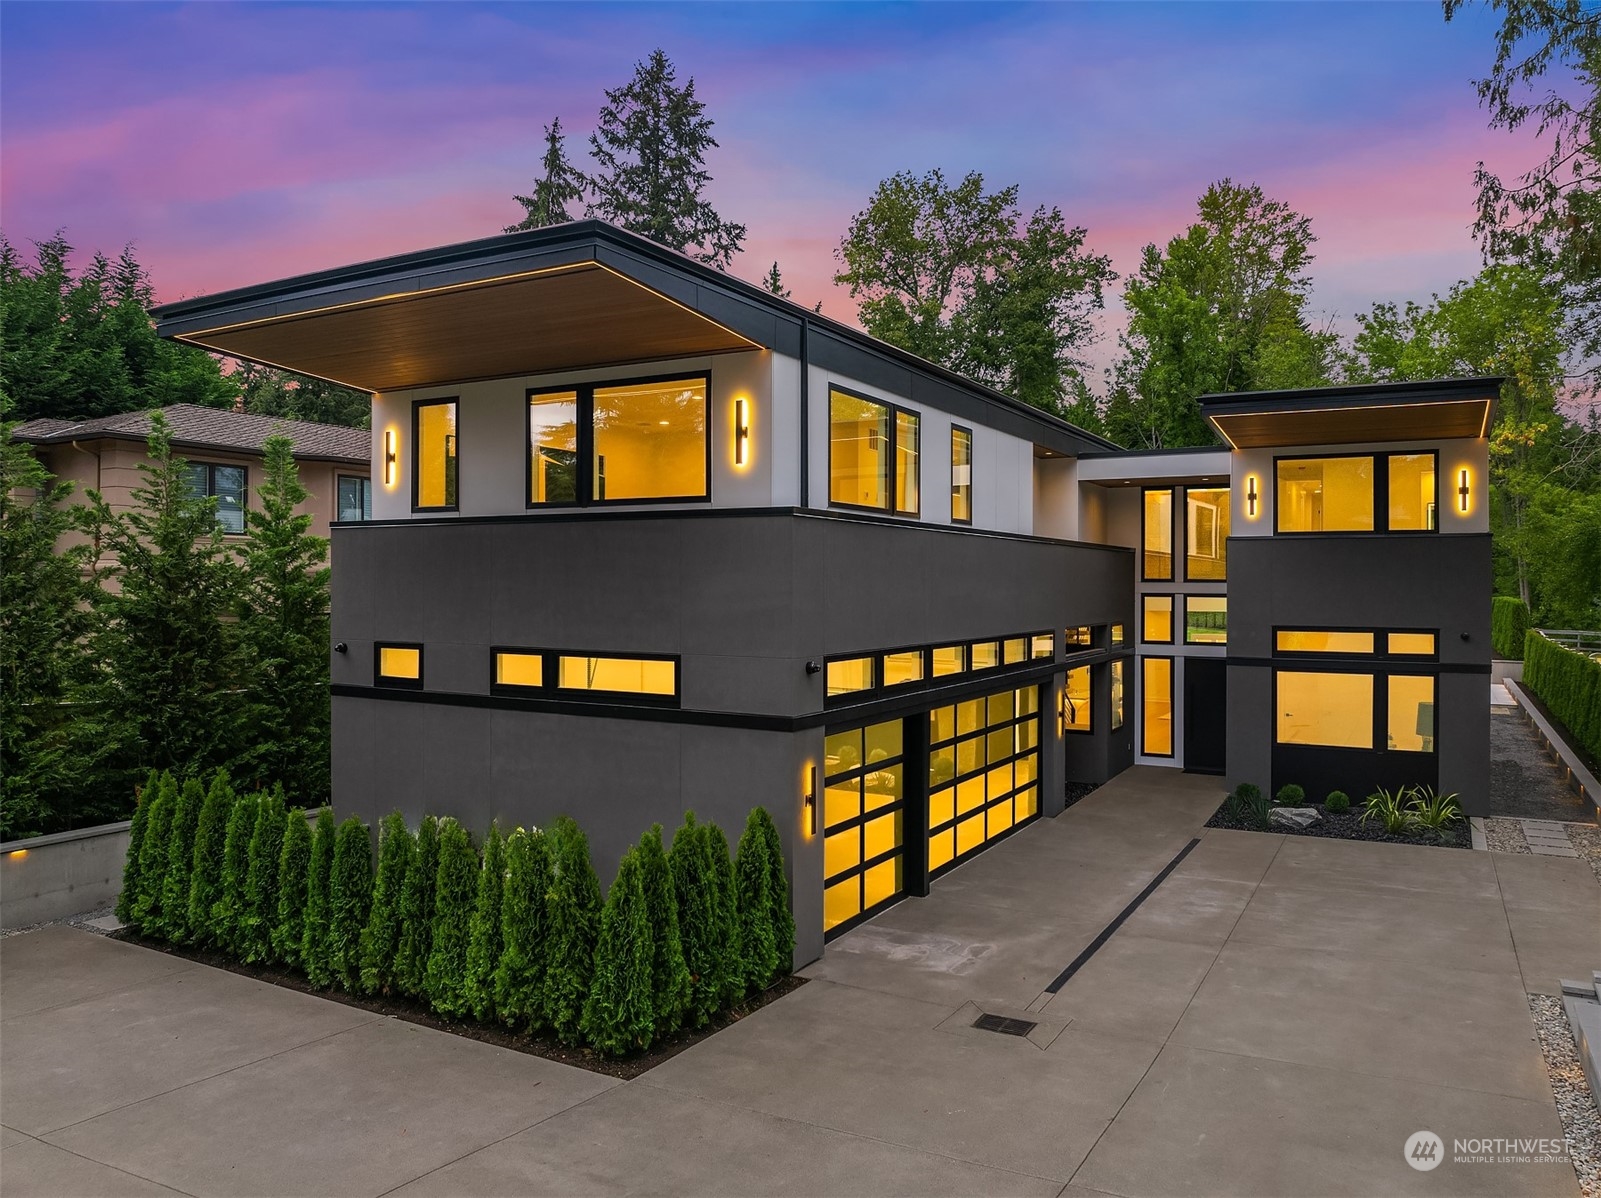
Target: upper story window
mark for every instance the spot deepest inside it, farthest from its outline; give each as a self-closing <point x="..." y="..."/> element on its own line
<point x="872" y="454"/>
<point x="645" y="441"/>
<point x="433" y="439"/>
<point x="1157" y="539"/>
<point x="961" y="475"/>
<point x="1394" y="492"/>
<point x="225" y="484"/>
<point x="355" y="498"/>
<point x="1206" y="534"/>
<point x="397" y="664"/>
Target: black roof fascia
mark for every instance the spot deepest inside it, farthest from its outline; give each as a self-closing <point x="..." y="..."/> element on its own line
<point x="1358" y="395"/>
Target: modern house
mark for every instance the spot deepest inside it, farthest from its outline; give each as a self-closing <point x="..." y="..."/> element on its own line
<point x="645" y="538"/>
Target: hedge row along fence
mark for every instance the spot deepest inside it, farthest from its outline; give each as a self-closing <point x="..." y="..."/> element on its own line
<point x="1569" y="684"/>
<point x="514" y="931"/>
<point x="1509" y="626"/>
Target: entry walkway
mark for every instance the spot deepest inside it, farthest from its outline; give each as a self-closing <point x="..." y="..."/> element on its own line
<point x="1276" y="1018"/>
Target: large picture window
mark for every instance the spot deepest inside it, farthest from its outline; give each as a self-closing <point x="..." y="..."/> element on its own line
<point x="1206" y="534"/>
<point x="433" y="442"/>
<point x="961" y="475"/>
<point x="1157" y="536"/>
<point x="225" y="484"/>
<point x="872" y="454"/>
<point x="1394" y="492"/>
<point x="1412" y="492"/>
<point x="1320" y="708"/>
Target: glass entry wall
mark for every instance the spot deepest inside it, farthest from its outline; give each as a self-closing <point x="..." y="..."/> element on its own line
<point x="864" y="790"/>
<point x="983" y="773"/>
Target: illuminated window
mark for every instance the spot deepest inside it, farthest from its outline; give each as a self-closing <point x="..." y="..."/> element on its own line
<point x="1413" y="500"/>
<point x="1156" y="699"/>
<point x="903" y="667"/>
<point x="1325" y="495"/>
<point x="397" y="665"/>
<point x="226" y="484"/>
<point x="434" y="449"/>
<point x="983" y="772"/>
<point x="986" y="655"/>
<point x="1410" y="716"/>
<point x="1158" y="536"/>
<point x="650" y="440"/>
<point x="872" y="454"/>
<point x="1334" y="710"/>
<point x="1044" y="645"/>
<point x="1297" y="641"/>
<point x="1076" y="701"/>
<point x="1157" y="628"/>
<point x="1411" y="644"/>
<point x="961" y="474"/>
<point x="618" y="675"/>
<point x="519" y="669"/>
<point x="1117" y="695"/>
<point x="851" y="674"/>
<point x="1206" y="534"/>
<point x="1117" y="634"/>
<point x="1014" y="650"/>
<point x="863" y="830"/>
<point x="553" y="446"/>
<point x="1079" y="636"/>
<point x="1206" y="620"/>
<point x="950" y="659"/>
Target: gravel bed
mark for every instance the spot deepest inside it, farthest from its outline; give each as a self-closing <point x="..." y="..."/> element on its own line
<point x="1505" y="836"/>
<point x="1586" y="840"/>
<point x="1581" y="1122"/>
<point x="1524" y="779"/>
<point x="73" y="921"/>
<point x="1348" y="825"/>
<point x="1077" y="791"/>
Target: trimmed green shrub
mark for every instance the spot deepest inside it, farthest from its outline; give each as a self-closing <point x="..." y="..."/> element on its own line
<point x="349" y="902"/>
<point x="484" y="941"/>
<point x="181" y="861"/>
<point x="264" y="857"/>
<point x="294" y="868"/>
<point x="670" y="983"/>
<point x="782" y="916"/>
<point x="228" y="912"/>
<point x="731" y="968"/>
<point x="380" y="939"/>
<point x="1509" y="627"/>
<point x="1337" y="801"/>
<point x="695" y="892"/>
<point x="520" y="975"/>
<point x="753" y="906"/>
<point x="1569" y="685"/>
<point x="454" y="896"/>
<point x="617" y="1013"/>
<point x="153" y="857"/>
<point x="128" y="896"/>
<point x="1290" y="795"/>
<point x="574" y="923"/>
<point x="205" y="867"/>
<point x="417" y="912"/>
<point x="319" y="876"/>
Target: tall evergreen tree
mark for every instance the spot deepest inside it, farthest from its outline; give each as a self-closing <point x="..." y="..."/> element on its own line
<point x="349" y="902"/>
<point x="670" y="981"/>
<point x="268" y="391"/>
<point x="454" y="897"/>
<point x="417" y="912"/>
<point x="695" y="891"/>
<point x="380" y="941"/>
<point x="650" y="147"/>
<point x="154" y="849"/>
<point x="617" y="1016"/>
<point x="574" y="914"/>
<point x="520" y="975"/>
<point x="265" y="857"/>
<point x="294" y="870"/>
<point x="314" y="957"/>
<point x="180" y="861"/>
<point x="559" y="186"/>
<point x="128" y="896"/>
<point x="228" y="911"/>
<point x="782" y="914"/>
<point x="732" y="968"/>
<point x="485" y="944"/>
<point x="753" y="906"/>
<point x="205" y="868"/>
<point x="774" y="281"/>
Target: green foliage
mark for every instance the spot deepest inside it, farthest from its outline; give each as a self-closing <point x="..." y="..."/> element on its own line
<point x="731" y="967"/>
<point x="210" y="850"/>
<point x="1245" y="803"/>
<point x="294" y="875"/>
<point x="380" y="940"/>
<point x="781" y="916"/>
<point x="269" y="391"/>
<point x="773" y="281"/>
<point x="265" y="858"/>
<point x="560" y="185"/>
<point x="1391" y="810"/>
<point x="753" y="906"/>
<point x="1433" y="811"/>
<point x="314" y="956"/>
<point x="573" y="911"/>
<point x="1290" y="795"/>
<point x="153" y="854"/>
<point x="349" y="902"/>
<point x="1509" y="624"/>
<point x="618" y="1017"/>
<point x="695" y="891"/>
<point x="520" y="975"/>
<point x="417" y="912"/>
<point x="485" y="942"/>
<point x="1337" y="802"/>
<point x="454" y="898"/>
<point x="180" y="861"/>
<point x="228" y="911"/>
<point x="670" y="980"/>
<point x="1569" y="685"/>
<point x="128" y="896"/>
<point x="649" y="146"/>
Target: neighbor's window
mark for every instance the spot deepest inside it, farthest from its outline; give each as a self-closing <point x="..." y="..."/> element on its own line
<point x="1156" y="731"/>
<point x="1158" y="536"/>
<point x="1325" y="495"/>
<point x="872" y="454"/>
<point x="434" y="447"/>
<point x="397" y="665"/>
<point x="1158" y="623"/>
<point x="650" y="440"/>
<point x="1411" y="644"/>
<point x="622" y="675"/>
<point x="1334" y="710"/>
<point x="1206" y="534"/>
<point x="519" y="669"/>
<point x="905" y="666"/>
<point x="851" y="674"/>
<point x="1411" y="713"/>
<point x="1076" y="701"/>
<point x="355" y="498"/>
<point x="225" y="484"/>
<point x="553" y="447"/>
<point x="1206" y="620"/>
<point x="961" y="474"/>
<point x="1117" y="695"/>
<point x="1296" y="641"/>
<point x="1412" y="496"/>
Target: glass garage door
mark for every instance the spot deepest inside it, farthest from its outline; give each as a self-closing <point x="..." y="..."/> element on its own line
<point x="863" y="813"/>
<point x="983" y="773"/>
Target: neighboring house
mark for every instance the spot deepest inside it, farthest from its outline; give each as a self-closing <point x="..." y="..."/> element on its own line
<point x="646" y="538"/>
<point x="223" y="451"/>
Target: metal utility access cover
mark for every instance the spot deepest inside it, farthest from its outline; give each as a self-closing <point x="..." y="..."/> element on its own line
<point x="1006" y="1027"/>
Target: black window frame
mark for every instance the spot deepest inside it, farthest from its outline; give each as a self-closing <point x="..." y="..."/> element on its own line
<point x="928" y="681"/>
<point x="550" y="673"/>
<point x="895" y="410"/>
<point x="1381" y="644"/>
<point x="1380" y="671"/>
<point x="1172" y="617"/>
<point x="1172" y="702"/>
<point x="366" y="507"/>
<point x="211" y="469"/>
<point x="1182" y="619"/>
<point x="1089" y="703"/>
<point x="903" y="806"/>
<point x="417" y="405"/>
<point x="1184" y="530"/>
<point x="389" y="681"/>
<point x="930" y="829"/>
<point x="964" y="430"/>
<point x="1381" y="494"/>
<point x="1174" y="541"/>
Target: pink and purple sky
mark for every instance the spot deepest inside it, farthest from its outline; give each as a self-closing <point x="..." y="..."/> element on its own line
<point x="236" y="143"/>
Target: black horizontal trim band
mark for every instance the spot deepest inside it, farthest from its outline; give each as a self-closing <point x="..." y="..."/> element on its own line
<point x="1363" y="665"/>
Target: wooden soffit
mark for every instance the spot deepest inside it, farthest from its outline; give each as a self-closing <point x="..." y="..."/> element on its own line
<point x="1349" y="424"/>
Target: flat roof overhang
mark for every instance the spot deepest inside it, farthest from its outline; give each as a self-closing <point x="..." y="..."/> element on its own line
<point x="1432" y="410"/>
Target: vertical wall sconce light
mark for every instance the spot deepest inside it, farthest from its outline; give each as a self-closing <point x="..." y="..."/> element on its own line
<point x="741" y="429"/>
<point x="810" y="800"/>
<point x="1462" y="491"/>
<point x="389" y="457"/>
<point x="1250" y="496"/>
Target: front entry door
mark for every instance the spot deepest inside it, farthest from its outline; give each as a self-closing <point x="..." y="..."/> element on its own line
<point x="1205" y="714"/>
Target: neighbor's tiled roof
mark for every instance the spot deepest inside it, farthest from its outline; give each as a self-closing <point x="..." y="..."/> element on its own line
<point x="211" y="428"/>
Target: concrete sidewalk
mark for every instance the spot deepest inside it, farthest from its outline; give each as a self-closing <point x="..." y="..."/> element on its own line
<point x="1277" y="1018"/>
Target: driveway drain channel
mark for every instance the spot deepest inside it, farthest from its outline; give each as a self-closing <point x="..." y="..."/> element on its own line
<point x="1106" y="933"/>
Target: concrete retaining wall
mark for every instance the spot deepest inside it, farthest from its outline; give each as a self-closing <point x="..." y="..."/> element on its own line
<point x="65" y="873"/>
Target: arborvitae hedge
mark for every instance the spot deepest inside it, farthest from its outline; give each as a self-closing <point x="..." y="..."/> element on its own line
<point x="380" y="940"/>
<point x="349" y="902"/>
<point x="454" y="897"/>
<point x="205" y="867"/>
<point x="520" y="975"/>
<point x="670" y="986"/>
<point x="574" y="915"/>
<point x="753" y="879"/>
<point x="181" y="860"/>
<point x="617" y="1012"/>
<point x="484" y="943"/>
<point x="1509" y="627"/>
<point x="228" y="912"/>
<point x="128" y="897"/>
<point x="781" y="915"/>
<point x="153" y="850"/>
<point x="417" y="912"/>
<point x="264" y="857"/>
<point x="732" y="968"/>
<point x="695" y="891"/>
<point x="294" y="865"/>
<point x="319" y="876"/>
<point x="1569" y="684"/>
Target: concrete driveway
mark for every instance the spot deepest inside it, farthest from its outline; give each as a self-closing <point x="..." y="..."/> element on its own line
<point x="1275" y="1018"/>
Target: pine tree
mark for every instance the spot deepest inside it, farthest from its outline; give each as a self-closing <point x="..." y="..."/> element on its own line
<point x="454" y="897"/>
<point x="774" y="282"/>
<point x="205" y="869"/>
<point x="782" y="915"/>
<point x="650" y="146"/>
<point x="294" y="868"/>
<point x="731" y="964"/>
<point x="154" y="849"/>
<point x="670" y="983"/>
<point x="349" y="902"/>
<point x="380" y="940"/>
<point x="753" y="906"/>
<point x="618" y="1017"/>
<point x="180" y="861"/>
<point x="558" y="187"/>
<point x="417" y="912"/>
<point x="264" y="857"/>
<point x="574" y="914"/>
<point x="485" y="942"/>
<point x="319" y="877"/>
<point x="228" y="912"/>
<point x="520" y="977"/>
<point x="128" y="896"/>
<point x="694" y="890"/>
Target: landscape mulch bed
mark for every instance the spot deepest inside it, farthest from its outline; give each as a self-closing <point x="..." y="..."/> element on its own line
<point x="534" y="1044"/>
<point x="1347" y="825"/>
<point x="1079" y="790"/>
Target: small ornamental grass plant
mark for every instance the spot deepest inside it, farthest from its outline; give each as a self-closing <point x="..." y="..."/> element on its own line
<point x="1390" y="809"/>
